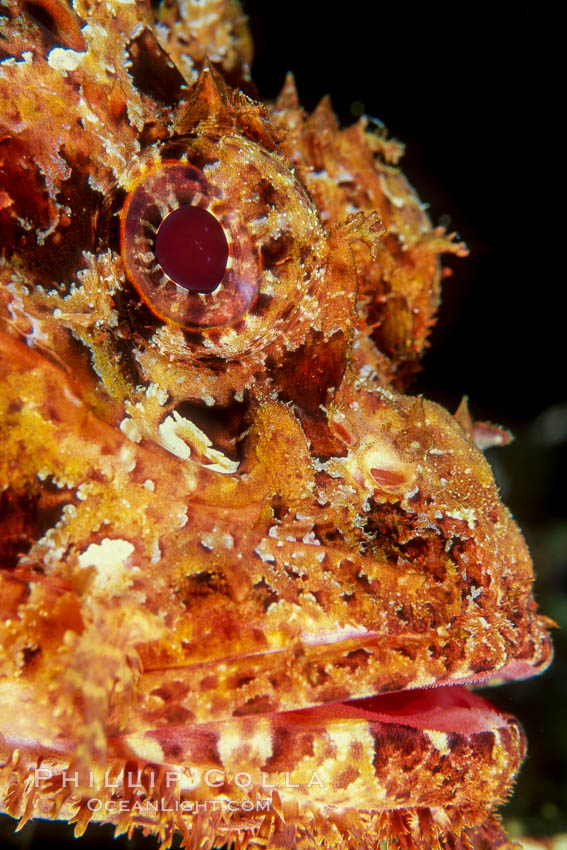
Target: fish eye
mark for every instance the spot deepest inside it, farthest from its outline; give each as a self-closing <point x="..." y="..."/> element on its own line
<point x="186" y="248"/>
<point x="203" y="247"/>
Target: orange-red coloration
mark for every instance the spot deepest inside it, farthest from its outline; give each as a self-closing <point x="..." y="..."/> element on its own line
<point x="231" y="546"/>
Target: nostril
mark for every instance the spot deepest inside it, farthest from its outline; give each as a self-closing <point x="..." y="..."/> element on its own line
<point x="388" y="477"/>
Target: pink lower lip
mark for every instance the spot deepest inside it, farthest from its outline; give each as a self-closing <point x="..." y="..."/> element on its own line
<point x="451" y="709"/>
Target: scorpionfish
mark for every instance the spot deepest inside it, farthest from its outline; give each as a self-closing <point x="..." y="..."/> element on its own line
<point x="246" y="582"/>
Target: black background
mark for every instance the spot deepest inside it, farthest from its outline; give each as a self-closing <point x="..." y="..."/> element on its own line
<point x="468" y="88"/>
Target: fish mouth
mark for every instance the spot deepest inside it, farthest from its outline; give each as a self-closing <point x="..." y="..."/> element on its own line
<point x="441" y="748"/>
<point x="447" y="708"/>
<point x="450" y="706"/>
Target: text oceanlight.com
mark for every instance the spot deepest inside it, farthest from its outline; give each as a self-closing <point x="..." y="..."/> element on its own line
<point x="95" y="804"/>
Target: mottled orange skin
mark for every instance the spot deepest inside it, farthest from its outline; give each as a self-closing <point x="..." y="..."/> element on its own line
<point x="214" y="535"/>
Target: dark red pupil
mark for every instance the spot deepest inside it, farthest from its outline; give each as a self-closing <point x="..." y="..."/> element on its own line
<point x="192" y="249"/>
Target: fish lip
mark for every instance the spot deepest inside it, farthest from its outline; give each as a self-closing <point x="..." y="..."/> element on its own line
<point x="348" y="689"/>
<point x="450" y="706"/>
<point x="452" y="709"/>
<point x="514" y="671"/>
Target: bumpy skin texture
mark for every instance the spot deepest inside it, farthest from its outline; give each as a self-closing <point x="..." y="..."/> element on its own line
<point x="225" y="530"/>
